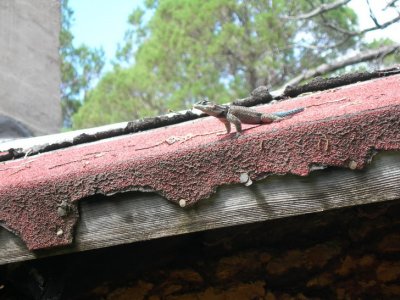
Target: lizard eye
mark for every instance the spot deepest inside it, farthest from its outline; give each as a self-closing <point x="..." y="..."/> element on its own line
<point x="203" y="102"/>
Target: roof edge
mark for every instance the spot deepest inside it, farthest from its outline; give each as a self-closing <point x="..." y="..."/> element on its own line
<point x="32" y="146"/>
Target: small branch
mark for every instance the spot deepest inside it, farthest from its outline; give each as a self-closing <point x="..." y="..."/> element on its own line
<point x="382" y="26"/>
<point x="319" y="10"/>
<point x="361" y="32"/>
<point x="372" y="15"/>
<point x="340" y="63"/>
<point x="390" y="4"/>
<point x="324" y="47"/>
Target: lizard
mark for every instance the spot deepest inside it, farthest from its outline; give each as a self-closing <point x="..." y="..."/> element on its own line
<point x="238" y="115"/>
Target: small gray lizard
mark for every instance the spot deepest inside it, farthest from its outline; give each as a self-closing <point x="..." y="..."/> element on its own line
<point x="237" y="115"/>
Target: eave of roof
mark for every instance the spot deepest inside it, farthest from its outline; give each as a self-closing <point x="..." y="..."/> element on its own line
<point x="339" y="127"/>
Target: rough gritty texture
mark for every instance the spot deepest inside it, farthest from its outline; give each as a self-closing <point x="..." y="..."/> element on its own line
<point x="259" y="95"/>
<point x="64" y="140"/>
<point x="341" y="127"/>
<point x="321" y="84"/>
<point x="29" y="64"/>
<point x="351" y="253"/>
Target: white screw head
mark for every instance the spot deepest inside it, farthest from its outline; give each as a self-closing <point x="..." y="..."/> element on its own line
<point x="353" y="165"/>
<point x="245" y="178"/>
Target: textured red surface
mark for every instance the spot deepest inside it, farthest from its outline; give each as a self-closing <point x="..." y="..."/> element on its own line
<point x="339" y="127"/>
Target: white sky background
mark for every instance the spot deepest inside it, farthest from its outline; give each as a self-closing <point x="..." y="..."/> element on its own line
<point x="102" y="23"/>
<point x="361" y="8"/>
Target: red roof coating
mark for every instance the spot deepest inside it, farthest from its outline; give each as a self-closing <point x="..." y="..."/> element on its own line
<point x="339" y="127"/>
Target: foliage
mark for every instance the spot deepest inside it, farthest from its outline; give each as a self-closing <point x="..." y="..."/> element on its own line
<point x="120" y="95"/>
<point x="383" y="61"/>
<point x="80" y="66"/>
<point x="177" y="51"/>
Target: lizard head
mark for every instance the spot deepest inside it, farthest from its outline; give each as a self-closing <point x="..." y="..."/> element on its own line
<point x="211" y="108"/>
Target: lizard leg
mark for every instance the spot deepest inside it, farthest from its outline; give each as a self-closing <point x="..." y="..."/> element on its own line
<point x="227" y="124"/>
<point x="236" y="121"/>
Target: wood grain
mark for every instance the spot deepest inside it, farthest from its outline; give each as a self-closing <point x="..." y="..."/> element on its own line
<point x="132" y="217"/>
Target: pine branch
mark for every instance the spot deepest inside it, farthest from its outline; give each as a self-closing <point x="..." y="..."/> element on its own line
<point x="361" y="32"/>
<point x="390" y="4"/>
<point x="372" y="15"/>
<point x="342" y="62"/>
<point x="319" y="10"/>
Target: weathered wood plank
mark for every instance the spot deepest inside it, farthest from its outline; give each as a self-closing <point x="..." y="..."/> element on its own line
<point x="132" y="217"/>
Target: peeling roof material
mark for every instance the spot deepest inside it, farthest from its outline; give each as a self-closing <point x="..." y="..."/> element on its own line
<point x="186" y="162"/>
<point x="32" y="146"/>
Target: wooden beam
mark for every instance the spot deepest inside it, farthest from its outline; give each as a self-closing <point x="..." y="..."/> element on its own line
<point x="132" y="217"/>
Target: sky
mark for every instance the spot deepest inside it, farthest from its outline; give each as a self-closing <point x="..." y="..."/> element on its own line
<point x="102" y="23"/>
<point x="361" y="8"/>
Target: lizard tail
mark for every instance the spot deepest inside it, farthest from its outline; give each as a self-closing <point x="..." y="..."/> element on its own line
<point x="288" y="113"/>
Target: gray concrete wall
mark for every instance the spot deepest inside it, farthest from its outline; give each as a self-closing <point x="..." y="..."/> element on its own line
<point x="29" y="64"/>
